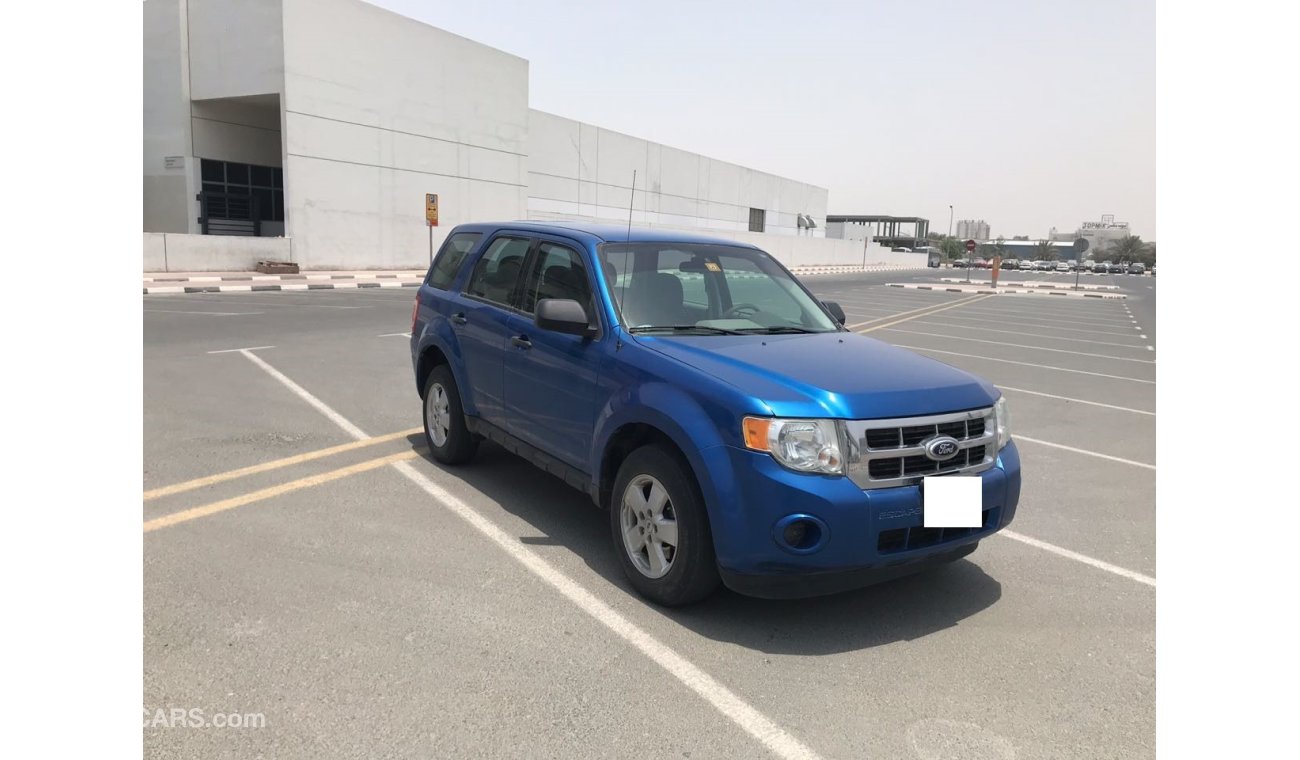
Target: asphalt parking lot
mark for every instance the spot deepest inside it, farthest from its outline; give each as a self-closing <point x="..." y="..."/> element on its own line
<point x="303" y="561"/>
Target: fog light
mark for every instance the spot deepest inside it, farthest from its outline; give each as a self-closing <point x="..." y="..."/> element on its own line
<point x="800" y="533"/>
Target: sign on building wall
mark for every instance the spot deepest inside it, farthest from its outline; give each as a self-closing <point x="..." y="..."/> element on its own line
<point x="173" y="162"/>
<point x="431" y="209"/>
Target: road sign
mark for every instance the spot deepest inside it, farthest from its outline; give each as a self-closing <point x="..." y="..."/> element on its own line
<point x="1080" y="245"/>
<point x="970" y="245"/>
<point x="431" y="209"/>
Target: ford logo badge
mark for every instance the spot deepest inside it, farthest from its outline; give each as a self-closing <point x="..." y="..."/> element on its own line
<point x="941" y="449"/>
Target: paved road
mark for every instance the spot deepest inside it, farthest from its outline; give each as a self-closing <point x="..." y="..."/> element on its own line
<point x="362" y="615"/>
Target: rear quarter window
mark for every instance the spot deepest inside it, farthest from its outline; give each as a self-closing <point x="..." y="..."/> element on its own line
<point x="451" y="256"/>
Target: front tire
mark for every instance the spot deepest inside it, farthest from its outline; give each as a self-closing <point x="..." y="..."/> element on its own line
<point x="661" y="529"/>
<point x="449" y="440"/>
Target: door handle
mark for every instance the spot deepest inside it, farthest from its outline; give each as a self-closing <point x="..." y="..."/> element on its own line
<point x="522" y="341"/>
<point x="459" y="319"/>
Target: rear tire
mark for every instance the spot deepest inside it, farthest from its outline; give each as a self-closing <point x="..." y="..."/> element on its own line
<point x="661" y="529"/>
<point x="445" y="432"/>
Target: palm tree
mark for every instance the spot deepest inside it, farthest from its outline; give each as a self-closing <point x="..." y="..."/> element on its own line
<point x="1127" y="248"/>
<point x="1045" y="251"/>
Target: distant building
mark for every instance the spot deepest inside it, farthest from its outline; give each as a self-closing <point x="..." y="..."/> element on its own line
<point x="1102" y="234"/>
<point x="890" y="231"/>
<point x="969" y="229"/>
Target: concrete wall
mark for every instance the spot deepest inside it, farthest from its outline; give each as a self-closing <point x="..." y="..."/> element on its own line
<point x="379" y="110"/>
<point x="246" y="130"/>
<point x="235" y="48"/>
<point x="175" y="252"/>
<point x="166" y="119"/>
<point x="583" y="171"/>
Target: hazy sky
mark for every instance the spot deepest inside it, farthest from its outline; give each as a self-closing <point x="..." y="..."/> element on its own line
<point x="1026" y="113"/>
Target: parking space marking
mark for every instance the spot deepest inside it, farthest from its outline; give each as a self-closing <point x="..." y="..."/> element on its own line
<point x="1085" y="559"/>
<point x="895" y="314"/>
<point x="779" y="741"/>
<point x="1076" y="400"/>
<point x="205" y="313"/>
<point x="1031" y="316"/>
<point x="772" y="736"/>
<point x="1005" y="322"/>
<point x="1024" y="334"/>
<point x="925" y="313"/>
<point x="395" y="335"/>
<point x="1029" y="364"/>
<point x="1085" y="452"/>
<point x="1018" y="345"/>
<point x="176" y="518"/>
<point x="309" y="456"/>
<point x="237" y="350"/>
<point x="301" y="393"/>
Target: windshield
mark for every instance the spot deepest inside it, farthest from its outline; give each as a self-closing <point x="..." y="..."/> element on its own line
<point x="707" y="289"/>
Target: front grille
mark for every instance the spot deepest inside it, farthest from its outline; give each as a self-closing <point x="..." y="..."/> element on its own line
<point x="920" y="537"/>
<point x="886" y="453"/>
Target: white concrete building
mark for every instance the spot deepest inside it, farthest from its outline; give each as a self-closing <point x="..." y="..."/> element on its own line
<point x="318" y="126"/>
<point x="971" y="229"/>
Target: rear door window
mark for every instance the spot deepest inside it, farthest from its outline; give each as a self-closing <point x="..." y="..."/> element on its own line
<point x="497" y="271"/>
<point x="450" y="258"/>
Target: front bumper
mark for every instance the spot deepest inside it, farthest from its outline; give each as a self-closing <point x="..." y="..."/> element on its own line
<point x="869" y="535"/>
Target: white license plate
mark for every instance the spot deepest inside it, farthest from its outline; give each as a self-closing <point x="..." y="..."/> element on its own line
<point x="952" y="501"/>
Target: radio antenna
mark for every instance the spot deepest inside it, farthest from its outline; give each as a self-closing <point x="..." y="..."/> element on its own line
<point x="629" y="208"/>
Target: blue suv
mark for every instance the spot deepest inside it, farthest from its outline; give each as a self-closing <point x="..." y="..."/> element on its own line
<point x="735" y="431"/>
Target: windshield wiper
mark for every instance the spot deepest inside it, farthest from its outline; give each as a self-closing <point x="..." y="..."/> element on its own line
<point x="777" y="329"/>
<point x="685" y="328"/>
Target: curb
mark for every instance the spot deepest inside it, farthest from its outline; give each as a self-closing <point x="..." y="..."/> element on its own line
<point x="1010" y="291"/>
<point x="1041" y="285"/>
<point x="275" y="277"/>
<point x="799" y="272"/>
<point x="267" y="288"/>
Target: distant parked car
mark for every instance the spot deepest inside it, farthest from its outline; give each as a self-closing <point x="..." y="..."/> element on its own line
<point x="980" y="263"/>
<point x="1072" y="266"/>
<point x="1042" y="266"/>
<point x="1061" y="266"/>
<point x="1088" y="265"/>
<point x="1117" y="268"/>
<point x="1026" y="265"/>
<point x="1137" y="267"/>
<point x="1011" y="264"/>
<point x="959" y="263"/>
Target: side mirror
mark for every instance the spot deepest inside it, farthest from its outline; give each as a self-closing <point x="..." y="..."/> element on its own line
<point x="563" y="315"/>
<point x="835" y="310"/>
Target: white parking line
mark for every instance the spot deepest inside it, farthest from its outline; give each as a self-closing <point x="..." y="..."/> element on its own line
<point x="1024" y="334"/>
<point x="772" y="736"/>
<point x="1021" y="317"/>
<point x="302" y="393"/>
<point x="1004" y="322"/>
<point x="205" y="313"/>
<point x="1049" y="444"/>
<point x="1029" y="364"/>
<point x="1077" y="400"/>
<point x="395" y="335"/>
<point x="1053" y="548"/>
<point x="1018" y="345"/>
<point x="239" y="350"/>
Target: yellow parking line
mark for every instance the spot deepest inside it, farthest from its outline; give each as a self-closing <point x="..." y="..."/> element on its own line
<point x="267" y="493"/>
<point x="190" y="485"/>
<point x="928" y="313"/>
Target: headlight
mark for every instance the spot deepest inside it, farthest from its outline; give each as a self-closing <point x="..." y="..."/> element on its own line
<point x="801" y="445"/>
<point x="1003" y="422"/>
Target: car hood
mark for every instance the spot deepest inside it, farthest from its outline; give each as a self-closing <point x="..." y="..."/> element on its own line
<point x="840" y="375"/>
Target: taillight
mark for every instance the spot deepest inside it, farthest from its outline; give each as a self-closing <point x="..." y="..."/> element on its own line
<point x="415" y="312"/>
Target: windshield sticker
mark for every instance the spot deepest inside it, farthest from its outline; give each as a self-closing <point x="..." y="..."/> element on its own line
<point x="712" y="267"/>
